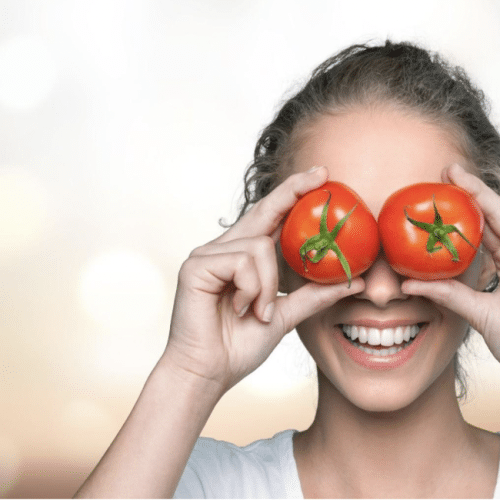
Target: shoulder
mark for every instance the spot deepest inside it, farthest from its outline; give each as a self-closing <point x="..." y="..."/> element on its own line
<point x="224" y="470"/>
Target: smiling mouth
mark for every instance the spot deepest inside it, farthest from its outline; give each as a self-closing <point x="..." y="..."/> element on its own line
<point x="381" y="342"/>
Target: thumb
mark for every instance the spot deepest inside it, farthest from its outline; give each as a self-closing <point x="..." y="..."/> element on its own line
<point x="311" y="299"/>
<point x="475" y="307"/>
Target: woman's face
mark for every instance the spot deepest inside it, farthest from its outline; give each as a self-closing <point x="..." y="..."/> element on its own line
<point x="377" y="151"/>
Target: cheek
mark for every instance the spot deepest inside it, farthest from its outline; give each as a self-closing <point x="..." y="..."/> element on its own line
<point x="316" y="333"/>
<point x="449" y="334"/>
<point x="471" y="275"/>
<point x="315" y="343"/>
<point x="456" y="329"/>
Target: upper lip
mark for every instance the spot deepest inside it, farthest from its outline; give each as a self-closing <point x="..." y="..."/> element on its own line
<point x="380" y="325"/>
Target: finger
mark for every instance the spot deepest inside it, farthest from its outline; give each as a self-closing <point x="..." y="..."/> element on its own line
<point x="492" y="243"/>
<point x="488" y="200"/>
<point x="310" y="299"/>
<point x="475" y="307"/>
<point x="263" y="251"/>
<point x="214" y="273"/>
<point x="266" y="215"/>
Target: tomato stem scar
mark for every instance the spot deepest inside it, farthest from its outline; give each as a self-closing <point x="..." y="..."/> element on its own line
<point x="324" y="241"/>
<point x="438" y="233"/>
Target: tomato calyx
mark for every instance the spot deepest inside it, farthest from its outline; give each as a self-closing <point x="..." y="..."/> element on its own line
<point x="324" y="241"/>
<point x="438" y="233"/>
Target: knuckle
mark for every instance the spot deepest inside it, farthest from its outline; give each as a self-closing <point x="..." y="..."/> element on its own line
<point x="284" y="320"/>
<point x="483" y="321"/>
<point x="326" y="296"/>
<point x="294" y="179"/>
<point x="320" y="299"/>
<point x="197" y="251"/>
<point x="267" y="210"/>
<point x="265" y="246"/>
<point x="251" y="289"/>
<point x="201" y="250"/>
<point x="194" y="253"/>
<point x="245" y="263"/>
<point x="265" y="251"/>
<point x="254" y="288"/>
<point x="448" y="291"/>
<point x="186" y="270"/>
<point x="246" y="268"/>
<point x="263" y="206"/>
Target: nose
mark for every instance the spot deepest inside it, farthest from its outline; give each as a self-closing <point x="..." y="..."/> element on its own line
<point x="382" y="284"/>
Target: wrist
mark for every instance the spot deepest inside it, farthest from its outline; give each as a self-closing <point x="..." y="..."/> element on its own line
<point x="189" y="380"/>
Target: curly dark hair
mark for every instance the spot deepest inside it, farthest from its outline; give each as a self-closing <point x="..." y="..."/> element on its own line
<point x="404" y="74"/>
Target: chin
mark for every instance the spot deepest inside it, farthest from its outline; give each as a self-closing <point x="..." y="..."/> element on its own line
<point x="389" y="392"/>
<point x="383" y="401"/>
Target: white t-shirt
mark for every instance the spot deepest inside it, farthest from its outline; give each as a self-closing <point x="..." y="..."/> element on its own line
<point x="263" y="469"/>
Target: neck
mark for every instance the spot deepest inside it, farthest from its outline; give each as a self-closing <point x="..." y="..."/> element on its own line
<point x="372" y="451"/>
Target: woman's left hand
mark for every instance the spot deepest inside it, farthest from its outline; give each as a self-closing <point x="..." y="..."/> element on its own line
<point x="480" y="309"/>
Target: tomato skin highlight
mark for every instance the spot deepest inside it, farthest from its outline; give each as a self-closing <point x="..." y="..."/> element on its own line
<point x="405" y="245"/>
<point x="357" y="239"/>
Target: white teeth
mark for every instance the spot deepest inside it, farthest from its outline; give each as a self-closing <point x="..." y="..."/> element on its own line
<point x="363" y="335"/>
<point x="374" y="336"/>
<point x="380" y="352"/>
<point x="406" y="334"/>
<point x="398" y="335"/>
<point x="354" y="332"/>
<point x="387" y="337"/>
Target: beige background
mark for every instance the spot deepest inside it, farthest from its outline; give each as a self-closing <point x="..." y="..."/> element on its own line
<point x="125" y="129"/>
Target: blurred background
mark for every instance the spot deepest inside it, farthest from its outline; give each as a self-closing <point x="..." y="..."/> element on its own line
<point x="125" y="128"/>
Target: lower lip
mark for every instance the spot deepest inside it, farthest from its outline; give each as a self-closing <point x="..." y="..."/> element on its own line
<point x="374" y="362"/>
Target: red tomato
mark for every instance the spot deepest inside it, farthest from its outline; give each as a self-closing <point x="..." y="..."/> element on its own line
<point x="430" y="231"/>
<point x="330" y="235"/>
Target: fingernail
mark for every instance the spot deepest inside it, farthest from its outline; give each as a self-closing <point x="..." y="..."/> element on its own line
<point x="268" y="312"/>
<point x="313" y="169"/>
<point x="243" y="311"/>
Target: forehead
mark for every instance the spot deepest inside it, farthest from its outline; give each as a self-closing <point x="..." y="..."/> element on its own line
<point x="378" y="150"/>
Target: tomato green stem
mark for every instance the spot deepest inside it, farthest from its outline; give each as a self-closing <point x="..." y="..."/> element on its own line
<point x="324" y="241"/>
<point x="438" y="233"/>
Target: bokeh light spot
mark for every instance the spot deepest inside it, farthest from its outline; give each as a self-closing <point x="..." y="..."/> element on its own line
<point x="123" y="290"/>
<point x="28" y="72"/>
<point x="23" y="210"/>
<point x="121" y="359"/>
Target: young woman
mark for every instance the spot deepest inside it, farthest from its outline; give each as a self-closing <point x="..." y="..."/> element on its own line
<point x="377" y="119"/>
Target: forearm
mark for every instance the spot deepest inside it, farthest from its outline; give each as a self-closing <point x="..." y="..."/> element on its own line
<point x="149" y="454"/>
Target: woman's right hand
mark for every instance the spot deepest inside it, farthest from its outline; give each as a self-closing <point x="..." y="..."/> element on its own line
<point x="227" y="317"/>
